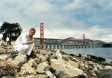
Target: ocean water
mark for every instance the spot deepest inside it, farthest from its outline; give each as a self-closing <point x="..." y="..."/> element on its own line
<point x="102" y="52"/>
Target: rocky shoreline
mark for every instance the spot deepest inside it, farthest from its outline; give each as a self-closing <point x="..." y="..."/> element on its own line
<point x="56" y="64"/>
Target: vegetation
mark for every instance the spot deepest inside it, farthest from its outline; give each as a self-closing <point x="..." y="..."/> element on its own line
<point x="10" y="31"/>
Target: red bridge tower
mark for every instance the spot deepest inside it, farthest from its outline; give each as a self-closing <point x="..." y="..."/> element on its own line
<point x="42" y="35"/>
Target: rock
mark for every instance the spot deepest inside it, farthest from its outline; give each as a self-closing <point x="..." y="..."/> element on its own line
<point x="42" y="58"/>
<point x="62" y="74"/>
<point x="58" y="54"/>
<point x="44" y="52"/>
<point x="92" y="74"/>
<point x="49" y="74"/>
<point x="54" y="64"/>
<point x="20" y="59"/>
<point x="105" y="74"/>
<point x="72" y="63"/>
<point x="74" y="59"/>
<point x="41" y="76"/>
<point x="37" y="60"/>
<point x="108" y="67"/>
<point x="41" y="67"/>
<point x="99" y="67"/>
<point x="33" y="76"/>
<point x="27" y="69"/>
<point x="67" y="68"/>
<point x="82" y="65"/>
<point x="65" y="57"/>
<point x="7" y="68"/>
<point x="3" y="56"/>
<point x="71" y="71"/>
<point x="57" y="64"/>
<point x="8" y="76"/>
<point x="82" y="76"/>
<point x="96" y="59"/>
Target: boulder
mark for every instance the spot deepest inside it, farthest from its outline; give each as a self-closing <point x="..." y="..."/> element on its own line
<point x="67" y="68"/>
<point x="8" y="76"/>
<point x="42" y="58"/>
<point x="20" y="59"/>
<point x="7" y="68"/>
<point x="57" y="64"/>
<point x="105" y="73"/>
<point x="41" y="76"/>
<point x="28" y="69"/>
<point x="41" y="67"/>
<point x="50" y="74"/>
<point x="108" y="67"/>
<point x="58" y="54"/>
<point x="62" y="74"/>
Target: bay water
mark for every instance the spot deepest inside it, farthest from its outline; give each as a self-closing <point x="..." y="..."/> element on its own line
<point x="101" y="52"/>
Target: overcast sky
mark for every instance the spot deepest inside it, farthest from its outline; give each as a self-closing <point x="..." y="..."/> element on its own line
<point x="62" y="18"/>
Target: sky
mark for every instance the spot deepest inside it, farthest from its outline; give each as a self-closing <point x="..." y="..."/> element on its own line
<point x="62" y="18"/>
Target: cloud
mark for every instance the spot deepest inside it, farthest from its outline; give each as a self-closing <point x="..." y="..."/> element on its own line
<point x="91" y="11"/>
<point x="62" y="18"/>
<point x="100" y="33"/>
<point x="74" y="5"/>
<point x="95" y="33"/>
<point x="27" y="12"/>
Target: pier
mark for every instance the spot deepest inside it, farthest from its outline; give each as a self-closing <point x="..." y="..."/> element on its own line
<point x="68" y="43"/>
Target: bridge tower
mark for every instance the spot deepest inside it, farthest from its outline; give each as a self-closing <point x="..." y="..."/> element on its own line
<point x="84" y="37"/>
<point x="41" y="35"/>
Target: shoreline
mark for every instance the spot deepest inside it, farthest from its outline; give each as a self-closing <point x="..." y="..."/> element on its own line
<point x="84" y="53"/>
<point x="91" y="57"/>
